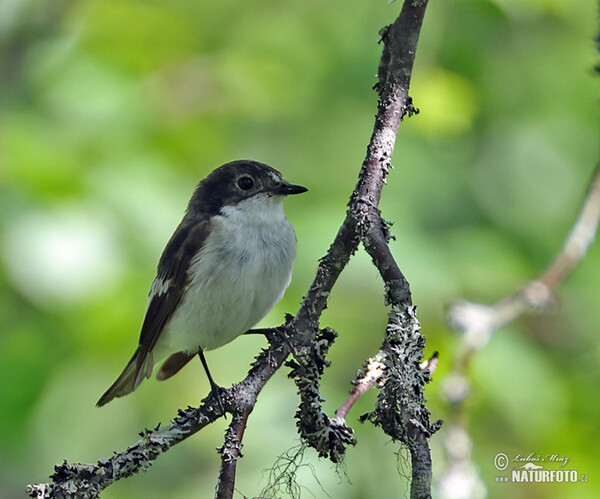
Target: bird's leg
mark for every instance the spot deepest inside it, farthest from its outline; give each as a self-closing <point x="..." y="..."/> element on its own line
<point x="215" y="389"/>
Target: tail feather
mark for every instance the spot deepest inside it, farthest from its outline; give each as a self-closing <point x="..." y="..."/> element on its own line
<point x="134" y="373"/>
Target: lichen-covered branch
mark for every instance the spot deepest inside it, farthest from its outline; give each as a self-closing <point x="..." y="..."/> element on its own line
<point x="86" y="481"/>
<point x="329" y="437"/>
<point x="401" y="410"/>
<point x="230" y="453"/>
<point x="363" y="223"/>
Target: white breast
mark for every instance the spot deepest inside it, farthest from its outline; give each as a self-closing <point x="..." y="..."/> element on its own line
<point x="241" y="272"/>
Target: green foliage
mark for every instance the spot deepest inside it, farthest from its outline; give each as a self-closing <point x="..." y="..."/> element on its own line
<point x="111" y="111"/>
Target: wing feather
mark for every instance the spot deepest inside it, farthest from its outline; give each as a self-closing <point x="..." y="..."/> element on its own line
<point x="170" y="284"/>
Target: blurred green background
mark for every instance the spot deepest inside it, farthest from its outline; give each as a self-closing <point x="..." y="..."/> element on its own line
<point x="111" y="111"/>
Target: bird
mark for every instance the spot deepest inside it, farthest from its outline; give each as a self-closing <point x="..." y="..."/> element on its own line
<point x="226" y="265"/>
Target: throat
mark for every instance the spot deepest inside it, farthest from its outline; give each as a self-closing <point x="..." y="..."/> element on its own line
<point x="255" y="229"/>
<point x="259" y="210"/>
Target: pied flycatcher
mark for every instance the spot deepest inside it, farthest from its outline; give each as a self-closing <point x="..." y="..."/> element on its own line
<point x="227" y="264"/>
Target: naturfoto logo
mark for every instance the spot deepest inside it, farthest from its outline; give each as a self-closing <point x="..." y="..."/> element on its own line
<point x="534" y="469"/>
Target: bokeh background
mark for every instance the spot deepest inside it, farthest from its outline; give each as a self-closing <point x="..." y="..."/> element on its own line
<point x="111" y="111"/>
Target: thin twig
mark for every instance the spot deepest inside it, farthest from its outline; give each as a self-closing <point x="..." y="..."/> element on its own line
<point x="373" y="373"/>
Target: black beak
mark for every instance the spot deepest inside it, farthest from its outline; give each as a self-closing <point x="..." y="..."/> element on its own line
<point x="287" y="189"/>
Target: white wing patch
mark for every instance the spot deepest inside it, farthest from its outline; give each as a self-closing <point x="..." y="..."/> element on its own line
<point x="159" y="287"/>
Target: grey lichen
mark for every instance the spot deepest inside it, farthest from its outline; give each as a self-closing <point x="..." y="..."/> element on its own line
<point x="329" y="437"/>
<point x="401" y="410"/>
<point x="86" y="481"/>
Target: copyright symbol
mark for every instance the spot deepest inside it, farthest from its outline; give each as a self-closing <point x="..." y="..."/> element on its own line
<point x="501" y="461"/>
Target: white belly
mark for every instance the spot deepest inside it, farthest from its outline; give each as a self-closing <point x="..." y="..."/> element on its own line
<point x="239" y="275"/>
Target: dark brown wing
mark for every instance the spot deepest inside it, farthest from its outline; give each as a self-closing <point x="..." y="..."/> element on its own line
<point x="165" y="294"/>
<point x="170" y="284"/>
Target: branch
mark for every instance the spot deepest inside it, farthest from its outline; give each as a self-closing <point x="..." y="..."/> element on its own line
<point x="400" y="408"/>
<point x="87" y="481"/>
<point x="230" y="453"/>
<point x="478" y="323"/>
<point x="373" y="373"/>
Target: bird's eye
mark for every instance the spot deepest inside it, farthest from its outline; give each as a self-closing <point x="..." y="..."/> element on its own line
<point x="245" y="183"/>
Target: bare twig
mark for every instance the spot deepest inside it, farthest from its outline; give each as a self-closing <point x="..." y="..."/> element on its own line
<point x="373" y="373"/>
